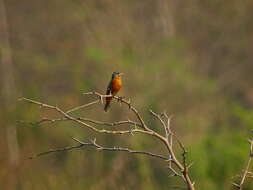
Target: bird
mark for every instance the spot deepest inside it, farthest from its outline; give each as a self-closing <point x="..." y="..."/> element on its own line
<point x="113" y="87"/>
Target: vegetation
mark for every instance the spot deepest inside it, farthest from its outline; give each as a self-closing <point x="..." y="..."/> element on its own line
<point x="191" y="59"/>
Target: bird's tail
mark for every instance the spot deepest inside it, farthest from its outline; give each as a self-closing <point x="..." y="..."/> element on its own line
<point x="107" y="104"/>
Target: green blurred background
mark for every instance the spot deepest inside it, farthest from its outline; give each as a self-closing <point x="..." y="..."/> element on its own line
<point x="190" y="58"/>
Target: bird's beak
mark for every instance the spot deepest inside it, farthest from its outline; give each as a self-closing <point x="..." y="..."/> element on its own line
<point x="121" y="74"/>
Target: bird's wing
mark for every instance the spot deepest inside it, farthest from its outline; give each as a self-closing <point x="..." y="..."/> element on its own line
<point x="109" y="88"/>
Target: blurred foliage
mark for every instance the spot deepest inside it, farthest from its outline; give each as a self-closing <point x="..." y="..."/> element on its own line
<point x="190" y="58"/>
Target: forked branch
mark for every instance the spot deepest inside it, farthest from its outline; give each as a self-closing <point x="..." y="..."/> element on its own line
<point x="175" y="166"/>
<point x="92" y="143"/>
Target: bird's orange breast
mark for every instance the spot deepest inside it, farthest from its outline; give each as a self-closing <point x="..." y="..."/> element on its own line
<point x="116" y="84"/>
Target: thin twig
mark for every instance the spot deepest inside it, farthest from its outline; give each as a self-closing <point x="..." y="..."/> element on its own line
<point x="67" y="148"/>
<point x="43" y="120"/>
<point x="157" y="116"/>
<point x="246" y="170"/>
<point x="93" y="143"/>
<point x="82" y="106"/>
<point x="110" y="124"/>
<point x="168" y="129"/>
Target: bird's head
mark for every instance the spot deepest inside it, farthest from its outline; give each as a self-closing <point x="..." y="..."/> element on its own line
<point x="116" y="74"/>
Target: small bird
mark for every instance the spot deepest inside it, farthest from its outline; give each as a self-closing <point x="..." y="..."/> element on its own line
<point x="113" y="87"/>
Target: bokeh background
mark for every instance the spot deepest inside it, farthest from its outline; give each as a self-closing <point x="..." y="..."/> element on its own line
<point x="190" y="58"/>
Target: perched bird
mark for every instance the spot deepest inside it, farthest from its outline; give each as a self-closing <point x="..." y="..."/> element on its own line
<point x="113" y="87"/>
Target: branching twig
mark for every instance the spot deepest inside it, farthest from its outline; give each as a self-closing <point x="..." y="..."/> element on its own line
<point x="175" y="166"/>
<point x="92" y="143"/>
<point x="246" y="173"/>
<point x="128" y="103"/>
<point x="168" y="129"/>
<point x="162" y="122"/>
<point x="82" y="123"/>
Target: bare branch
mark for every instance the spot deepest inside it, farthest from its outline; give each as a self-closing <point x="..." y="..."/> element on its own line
<point x="174" y="172"/>
<point x="83" y="124"/>
<point x="111" y="124"/>
<point x="157" y="116"/>
<point x="128" y="103"/>
<point x="82" y="106"/>
<point x="43" y="120"/>
<point x="246" y="173"/>
<point x="175" y="166"/>
<point x="168" y="129"/>
<point x="92" y="143"/>
<point x="68" y="148"/>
